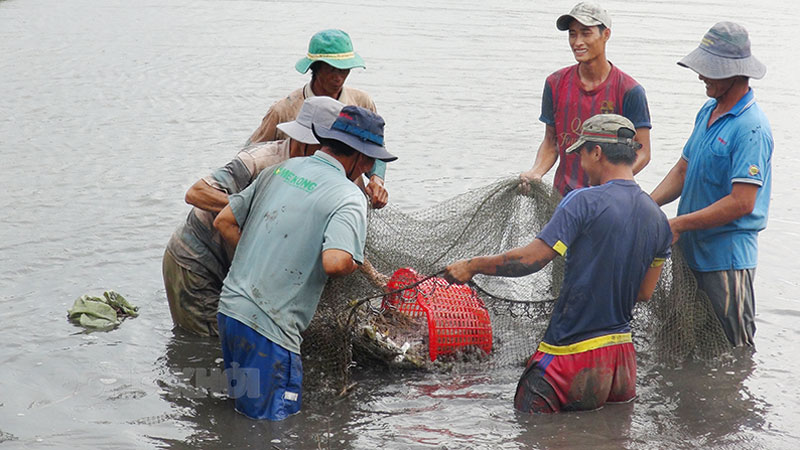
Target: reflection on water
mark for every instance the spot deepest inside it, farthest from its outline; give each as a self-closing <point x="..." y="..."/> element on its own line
<point x="113" y="109"/>
<point x="706" y="405"/>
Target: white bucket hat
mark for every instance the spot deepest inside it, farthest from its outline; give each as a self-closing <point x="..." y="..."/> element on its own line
<point x="321" y="110"/>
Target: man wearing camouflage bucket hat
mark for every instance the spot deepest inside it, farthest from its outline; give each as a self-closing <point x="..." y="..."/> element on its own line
<point x="615" y="239"/>
<point x="330" y="57"/>
<point x="723" y="179"/>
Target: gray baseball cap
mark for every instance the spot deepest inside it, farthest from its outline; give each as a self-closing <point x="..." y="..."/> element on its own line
<point x="320" y="110"/>
<point x="589" y="14"/>
<point x="605" y="128"/>
<point x="724" y="52"/>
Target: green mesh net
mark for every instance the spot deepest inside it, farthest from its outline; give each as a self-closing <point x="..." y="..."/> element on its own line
<point x="358" y="324"/>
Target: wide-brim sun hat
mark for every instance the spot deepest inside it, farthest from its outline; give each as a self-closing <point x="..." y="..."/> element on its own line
<point x="321" y="110"/>
<point x="360" y="129"/>
<point x="604" y="128"/>
<point x="724" y="52"/>
<point x="332" y="47"/>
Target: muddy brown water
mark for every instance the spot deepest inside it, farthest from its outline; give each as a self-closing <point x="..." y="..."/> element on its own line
<point x="112" y="109"/>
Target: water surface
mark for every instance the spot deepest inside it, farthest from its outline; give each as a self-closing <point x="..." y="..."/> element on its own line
<point x="112" y="109"/>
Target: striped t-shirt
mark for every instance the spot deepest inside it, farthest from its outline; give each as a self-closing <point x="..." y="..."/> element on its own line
<point x="565" y="106"/>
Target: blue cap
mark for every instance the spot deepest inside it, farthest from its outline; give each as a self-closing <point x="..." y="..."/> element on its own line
<point x="360" y="129"/>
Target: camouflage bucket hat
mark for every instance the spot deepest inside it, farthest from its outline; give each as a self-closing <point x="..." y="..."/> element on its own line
<point x="724" y="52"/>
<point x="604" y="128"/>
<point x="333" y="47"/>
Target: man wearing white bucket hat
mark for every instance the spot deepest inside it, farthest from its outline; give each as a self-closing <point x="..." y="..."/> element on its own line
<point x="723" y="179"/>
<point x="197" y="259"/>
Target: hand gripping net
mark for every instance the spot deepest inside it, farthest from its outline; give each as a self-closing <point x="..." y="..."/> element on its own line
<point x="351" y="329"/>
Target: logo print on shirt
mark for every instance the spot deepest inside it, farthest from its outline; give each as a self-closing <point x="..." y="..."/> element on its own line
<point x="291" y="178"/>
<point x="607" y="107"/>
<point x="722" y="140"/>
<point x="753" y="170"/>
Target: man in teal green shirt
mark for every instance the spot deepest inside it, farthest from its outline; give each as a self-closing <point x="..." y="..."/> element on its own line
<point x="299" y="223"/>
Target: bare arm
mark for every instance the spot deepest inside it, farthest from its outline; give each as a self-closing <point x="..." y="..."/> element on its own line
<point x="671" y="186"/>
<point x="546" y="156"/>
<point x="648" y="285"/>
<point x="206" y="197"/>
<point x="227" y="226"/>
<point x="377" y="194"/>
<point x="514" y="263"/>
<point x="739" y="203"/>
<point x="376" y="278"/>
<point x="338" y="263"/>
<point x="643" y="154"/>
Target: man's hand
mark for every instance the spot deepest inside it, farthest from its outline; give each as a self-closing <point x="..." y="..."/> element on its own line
<point x="674" y="226"/>
<point x="525" y="180"/>
<point x="377" y="194"/>
<point x="459" y="272"/>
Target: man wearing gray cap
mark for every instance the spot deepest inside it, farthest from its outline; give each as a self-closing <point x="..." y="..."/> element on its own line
<point x="615" y="239"/>
<point x="576" y="93"/>
<point x="723" y="179"/>
<point x="197" y="259"/>
<point x="299" y="223"/>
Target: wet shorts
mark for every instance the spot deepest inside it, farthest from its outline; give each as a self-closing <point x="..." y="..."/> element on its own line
<point x="192" y="298"/>
<point x="734" y="302"/>
<point x="577" y="379"/>
<point x="264" y="379"/>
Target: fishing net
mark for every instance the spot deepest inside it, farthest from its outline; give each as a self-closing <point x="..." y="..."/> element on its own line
<point x="358" y="324"/>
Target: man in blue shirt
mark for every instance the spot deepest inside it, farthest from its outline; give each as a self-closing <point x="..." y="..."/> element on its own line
<point x="615" y="239"/>
<point x="724" y="179"/>
<point x="299" y="223"/>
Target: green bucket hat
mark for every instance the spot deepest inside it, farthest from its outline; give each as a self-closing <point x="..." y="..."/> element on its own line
<point x="333" y="47"/>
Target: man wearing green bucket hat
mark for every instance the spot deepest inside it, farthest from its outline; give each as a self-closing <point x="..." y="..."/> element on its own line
<point x="330" y="57"/>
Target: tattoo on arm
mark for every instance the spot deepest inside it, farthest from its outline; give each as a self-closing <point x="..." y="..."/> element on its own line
<point x="514" y="267"/>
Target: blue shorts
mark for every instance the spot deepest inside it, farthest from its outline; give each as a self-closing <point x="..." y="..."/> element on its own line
<point x="264" y="379"/>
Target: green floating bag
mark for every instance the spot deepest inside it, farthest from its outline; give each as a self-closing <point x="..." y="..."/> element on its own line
<point x="101" y="312"/>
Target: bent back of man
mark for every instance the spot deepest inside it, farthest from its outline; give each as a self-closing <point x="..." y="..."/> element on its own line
<point x="296" y="209"/>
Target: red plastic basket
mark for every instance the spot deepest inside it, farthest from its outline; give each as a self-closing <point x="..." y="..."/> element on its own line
<point x="456" y="316"/>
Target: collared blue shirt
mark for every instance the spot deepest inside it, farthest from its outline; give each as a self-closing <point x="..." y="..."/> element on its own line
<point x="736" y="148"/>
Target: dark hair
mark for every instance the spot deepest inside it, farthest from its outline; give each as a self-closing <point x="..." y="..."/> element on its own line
<point x="314" y="68"/>
<point x="339" y="148"/>
<point x="601" y="28"/>
<point x="617" y="153"/>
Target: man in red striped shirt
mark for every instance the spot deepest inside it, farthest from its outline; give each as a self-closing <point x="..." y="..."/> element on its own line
<point x="578" y="92"/>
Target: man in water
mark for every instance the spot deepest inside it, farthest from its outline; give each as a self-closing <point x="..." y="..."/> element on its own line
<point x="723" y="179"/>
<point x="615" y="239"/>
<point x="197" y="259"/>
<point x="330" y="57"/>
<point x="299" y="223"/>
<point x="575" y="93"/>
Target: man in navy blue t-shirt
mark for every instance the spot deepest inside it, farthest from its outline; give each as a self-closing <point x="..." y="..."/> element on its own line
<point x="615" y="239"/>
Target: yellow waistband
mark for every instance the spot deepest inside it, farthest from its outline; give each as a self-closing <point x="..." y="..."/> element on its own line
<point x="585" y="346"/>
